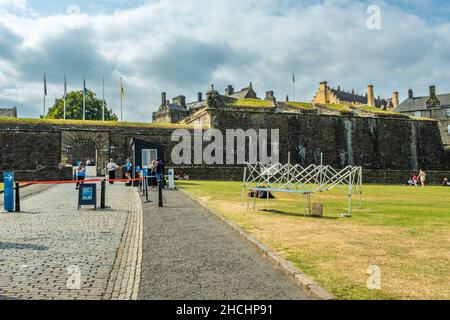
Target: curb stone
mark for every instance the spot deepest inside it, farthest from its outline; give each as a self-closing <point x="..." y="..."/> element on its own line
<point x="301" y="279"/>
<point x="124" y="280"/>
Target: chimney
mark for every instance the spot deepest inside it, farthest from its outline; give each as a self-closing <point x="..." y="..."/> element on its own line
<point x="370" y="96"/>
<point x="395" y="101"/>
<point x="163" y="99"/>
<point x="323" y="95"/>
<point x="270" y="96"/>
<point x="180" y="100"/>
<point x="229" y="90"/>
<point x="410" y="94"/>
<point x="200" y="97"/>
<point x="432" y="91"/>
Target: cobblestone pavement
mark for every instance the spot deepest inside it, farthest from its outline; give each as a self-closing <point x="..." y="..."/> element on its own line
<point x="187" y="254"/>
<point x="43" y="247"/>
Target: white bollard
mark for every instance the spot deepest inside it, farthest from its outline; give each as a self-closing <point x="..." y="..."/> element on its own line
<point x="171" y="179"/>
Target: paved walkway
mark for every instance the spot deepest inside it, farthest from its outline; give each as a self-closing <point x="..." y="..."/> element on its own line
<point x="44" y="248"/>
<point x="187" y="254"/>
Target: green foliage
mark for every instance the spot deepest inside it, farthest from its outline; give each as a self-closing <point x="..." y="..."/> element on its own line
<point x="252" y="103"/>
<point x="74" y="107"/>
<point x="338" y="107"/>
<point x="95" y="123"/>
<point x="301" y="105"/>
<point x="380" y="112"/>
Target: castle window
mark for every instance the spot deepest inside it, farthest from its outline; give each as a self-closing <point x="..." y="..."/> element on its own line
<point x="448" y="113"/>
<point x="418" y="114"/>
<point x="448" y="129"/>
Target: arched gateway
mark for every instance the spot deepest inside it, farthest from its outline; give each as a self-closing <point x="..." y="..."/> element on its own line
<point x="83" y="145"/>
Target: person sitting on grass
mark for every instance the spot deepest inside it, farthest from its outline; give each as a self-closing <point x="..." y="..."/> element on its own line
<point x="446" y="182"/>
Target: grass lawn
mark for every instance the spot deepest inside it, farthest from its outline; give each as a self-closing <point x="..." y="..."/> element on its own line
<point x="403" y="230"/>
<point x="1" y="186"/>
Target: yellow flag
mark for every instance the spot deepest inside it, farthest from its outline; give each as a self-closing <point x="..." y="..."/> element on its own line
<point x="122" y="91"/>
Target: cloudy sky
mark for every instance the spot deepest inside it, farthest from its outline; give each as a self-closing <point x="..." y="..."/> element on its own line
<point x="183" y="47"/>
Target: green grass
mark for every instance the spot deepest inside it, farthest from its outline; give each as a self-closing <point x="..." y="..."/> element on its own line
<point x="93" y="123"/>
<point x="380" y="112"/>
<point x="337" y="107"/>
<point x="1" y="186"/>
<point x="300" y="105"/>
<point x="251" y="103"/>
<point x="403" y="230"/>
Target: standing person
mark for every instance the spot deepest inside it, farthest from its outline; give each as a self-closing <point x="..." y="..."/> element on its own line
<point x="129" y="170"/>
<point x="422" y="177"/>
<point x="111" y="167"/>
<point x="81" y="174"/>
<point x="160" y="171"/>
<point x="153" y="174"/>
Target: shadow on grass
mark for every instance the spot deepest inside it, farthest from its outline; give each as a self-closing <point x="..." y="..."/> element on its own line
<point x="298" y="215"/>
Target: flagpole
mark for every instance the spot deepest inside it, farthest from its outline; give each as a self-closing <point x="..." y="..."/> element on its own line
<point x="84" y="98"/>
<point x="121" y="99"/>
<point x="103" y="101"/>
<point x="45" y="92"/>
<point x="65" y="93"/>
<point x="293" y="87"/>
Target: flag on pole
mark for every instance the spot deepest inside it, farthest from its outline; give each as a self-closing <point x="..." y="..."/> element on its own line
<point x="45" y="84"/>
<point x="293" y="77"/>
<point x="122" y="92"/>
<point x="85" y="92"/>
<point x="65" y="86"/>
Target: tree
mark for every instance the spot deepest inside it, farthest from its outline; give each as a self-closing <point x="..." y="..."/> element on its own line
<point x="74" y="108"/>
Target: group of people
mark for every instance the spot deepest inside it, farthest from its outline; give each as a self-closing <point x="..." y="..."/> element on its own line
<point x="111" y="167"/>
<point x="419" y="179"/>
<point x="156" y="171"/>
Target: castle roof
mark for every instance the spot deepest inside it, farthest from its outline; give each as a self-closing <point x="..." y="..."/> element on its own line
<point x="349" y="97"/>
<point x="8" y="112"/>
<point x="176" y="107"/>
<point x="420" y="103"/>
<point x="245" y="93"/>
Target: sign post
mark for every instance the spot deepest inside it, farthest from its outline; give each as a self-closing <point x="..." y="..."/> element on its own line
<point x="87" y="195"/>
<point x="8" y="180"/>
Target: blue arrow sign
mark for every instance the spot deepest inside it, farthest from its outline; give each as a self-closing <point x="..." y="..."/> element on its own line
<point x="8" y="180"/>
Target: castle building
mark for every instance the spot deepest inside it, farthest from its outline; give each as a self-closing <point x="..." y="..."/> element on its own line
<point x="434" y="106"/>
<point x="327" y="95"/>
<point x="8" y="112"/>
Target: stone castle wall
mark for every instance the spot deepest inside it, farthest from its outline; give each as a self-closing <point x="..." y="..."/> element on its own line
<point x="374" y="143"/>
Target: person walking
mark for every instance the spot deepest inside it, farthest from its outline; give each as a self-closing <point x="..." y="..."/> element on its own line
<point x="111" y="167"/>
<point x="129" y="171"/>
<point x="81" y="174"/>
<point x="422" y="178"/>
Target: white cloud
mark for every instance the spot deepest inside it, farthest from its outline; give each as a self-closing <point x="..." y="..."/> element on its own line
<point x="183" y="46"/>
